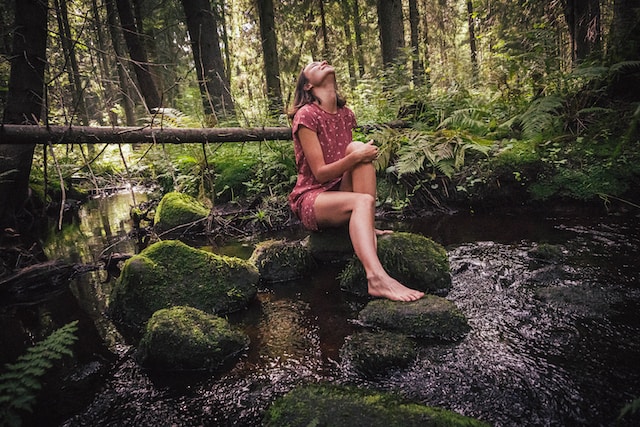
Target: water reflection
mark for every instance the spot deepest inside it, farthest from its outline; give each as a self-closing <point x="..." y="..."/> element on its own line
<point x="554" y="340"/>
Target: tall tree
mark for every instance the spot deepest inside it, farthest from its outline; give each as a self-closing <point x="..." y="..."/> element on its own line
<point x="357" y="29"/>
<point x="391" y="29"/>
<point x="138" y="55"/>
<point x="583" y="21"/>
<point x="270" y="56"/>
<point x="210" y="69"/>
<point x="24" y="104"/>
<point x="624" y="37"/>
<point x="414" y="21"/>
<point x="472" y="41"/>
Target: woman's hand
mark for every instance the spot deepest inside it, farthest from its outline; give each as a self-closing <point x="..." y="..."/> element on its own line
<point x="366" y="152"/>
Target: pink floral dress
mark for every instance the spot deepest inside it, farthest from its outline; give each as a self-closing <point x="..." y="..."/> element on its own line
<point x="334" y="134"/>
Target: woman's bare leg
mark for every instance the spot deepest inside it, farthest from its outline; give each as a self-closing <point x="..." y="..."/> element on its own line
<point x="338" y="207"/>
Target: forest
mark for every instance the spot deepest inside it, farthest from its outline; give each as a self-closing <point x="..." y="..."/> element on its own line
<point x="476" y="106"/>
<point x="472" y="103"/>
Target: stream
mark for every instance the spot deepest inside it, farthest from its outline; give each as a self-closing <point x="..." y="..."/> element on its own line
<point x="554" y="341"/>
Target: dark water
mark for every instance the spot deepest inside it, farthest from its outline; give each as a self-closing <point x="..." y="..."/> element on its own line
<point x="554" y="342"/>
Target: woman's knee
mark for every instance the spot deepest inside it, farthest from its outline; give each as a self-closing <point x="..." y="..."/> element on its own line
<point x="353" y="146"/>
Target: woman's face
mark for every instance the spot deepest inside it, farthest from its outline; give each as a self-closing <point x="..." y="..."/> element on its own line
<point x="317" y="72"/>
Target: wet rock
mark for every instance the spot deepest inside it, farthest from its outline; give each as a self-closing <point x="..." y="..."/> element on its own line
<point x="333" y="405"/>
<point x="431" y="317"/>
<point x="179" y="212"/>
<point x="281" y="260"/>
<point x="170" y="273"/>
<point x="414" y="260"/>
<point x="330" y="244"/>
<point x="185" y="338"/>
<point x="372" y="354"/>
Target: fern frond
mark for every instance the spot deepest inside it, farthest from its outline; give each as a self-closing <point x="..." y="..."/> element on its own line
<point x="20" y="382"/>
<point x="540" y="117"/>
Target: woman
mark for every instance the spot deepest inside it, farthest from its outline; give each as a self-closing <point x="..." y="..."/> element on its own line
<point x="336" y="178"/>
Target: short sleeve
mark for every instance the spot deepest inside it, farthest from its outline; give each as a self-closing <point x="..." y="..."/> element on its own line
<point x="304" y="117"/>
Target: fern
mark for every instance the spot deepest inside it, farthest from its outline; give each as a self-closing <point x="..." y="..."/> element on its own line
<point x="541" y="117"/>
<point x="21" y="381"/>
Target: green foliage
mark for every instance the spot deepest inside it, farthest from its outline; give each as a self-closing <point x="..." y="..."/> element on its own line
<point x="629" y="409"/>
<point x="21" y="381"/>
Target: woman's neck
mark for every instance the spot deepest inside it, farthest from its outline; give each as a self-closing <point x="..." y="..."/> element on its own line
<point x="327" y="97"/>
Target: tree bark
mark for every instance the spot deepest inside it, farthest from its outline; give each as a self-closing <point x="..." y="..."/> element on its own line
<point x="24" y="104"/>
<point x="270" y="56"/>
<point x="138" y="55"/>
<point x="391" y="30"/>
<point x="583" y="21"/>
<point x="414" y="20"/>
<point x="357" y="29"/>
<point x="624" y="37"/>
<point x="472" y="42"/>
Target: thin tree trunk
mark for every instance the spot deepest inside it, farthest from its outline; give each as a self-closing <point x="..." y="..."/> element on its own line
<point x="357" y="28"/>
<point x="346" y="16"/>
<point x="472" y="42"/>
<point x="414" y="20"/>
<point x="24" y="105"/>
<point x="325" y="39"/>
<point x="78" y="108"/>
<point x="205" y="46"/>
<point x="270" y="56"/>
<point x="138" y="55"/>
<point x="125" y="99"/>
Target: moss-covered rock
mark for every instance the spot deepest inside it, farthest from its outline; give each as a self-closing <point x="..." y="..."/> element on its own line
<point x="416" y="261"/>
<point x="179" y="211"/>
<point x="185" y="338"/>
<point x="336" y="406"/>
<point x="281" y="260"/>
<point x="170" y="273"/>
<point x="430" y="317"/>
<point x="375" y="353"/>
<point x="330" y="244"/>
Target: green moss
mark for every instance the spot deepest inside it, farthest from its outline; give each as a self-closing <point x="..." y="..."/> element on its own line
<point x="337" y="406"/>
<point x="281" y="260"/>
<point x="171" y="273"/>
<point x="184" y="338"/>
<point x="178" y="209"/>
<point x="374" y="353"/>
<point x="414" y="260"/>
<point x="431" y="317"/>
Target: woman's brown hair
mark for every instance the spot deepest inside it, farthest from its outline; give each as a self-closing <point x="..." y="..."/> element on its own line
<point x="303" y="97"/>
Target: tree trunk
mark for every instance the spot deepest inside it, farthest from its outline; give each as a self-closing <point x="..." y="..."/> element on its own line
<point x="414" y="20"/>
<point x="78" y="107"/>
<point x="125" y="99"/>
<point x="357" y="28"/>
<point x="346" y="16"/>
<point x="472" y="42"/>
<point x="325" y="39"/>
<point x="138" y="55"/>
<point x="270" y="56"/>
<point x="583" y="21"/>
<point x="24" y="104"/>
<point x="391" y="30"/>
<point x="425" y="42"/>
<point x="624" y="36"/>
<point x="207" y="56"/>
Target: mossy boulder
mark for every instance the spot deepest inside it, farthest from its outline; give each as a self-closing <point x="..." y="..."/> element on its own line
<point x="170" y="273"/>
<point x="431" y="317"/>
<point x="185" y="338"/>
<point x="416" y="261"/>
<point x="178" y="211"/>
<point x="372" y="354"/>
<point x="330" y="244"/>
<point x="338" y="406"/>
<point x="281" y="260"/>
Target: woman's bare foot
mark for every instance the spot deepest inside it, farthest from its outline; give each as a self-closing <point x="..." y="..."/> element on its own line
<point x="383" y="232"/>
<point x="388" y="287"/>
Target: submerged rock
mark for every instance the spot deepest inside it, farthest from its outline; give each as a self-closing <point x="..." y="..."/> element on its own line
<point x="179" y="211"/>
<point x="281" y="260"/>
<point x="430" y="317"/>
<point x="170" y="273"/>
<point x="416" y="261"/>
<point x="336" y="406"/>
<point x="185" y="338"/>
<point x="330" y="244"/>
<point x="375" y="353"/>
